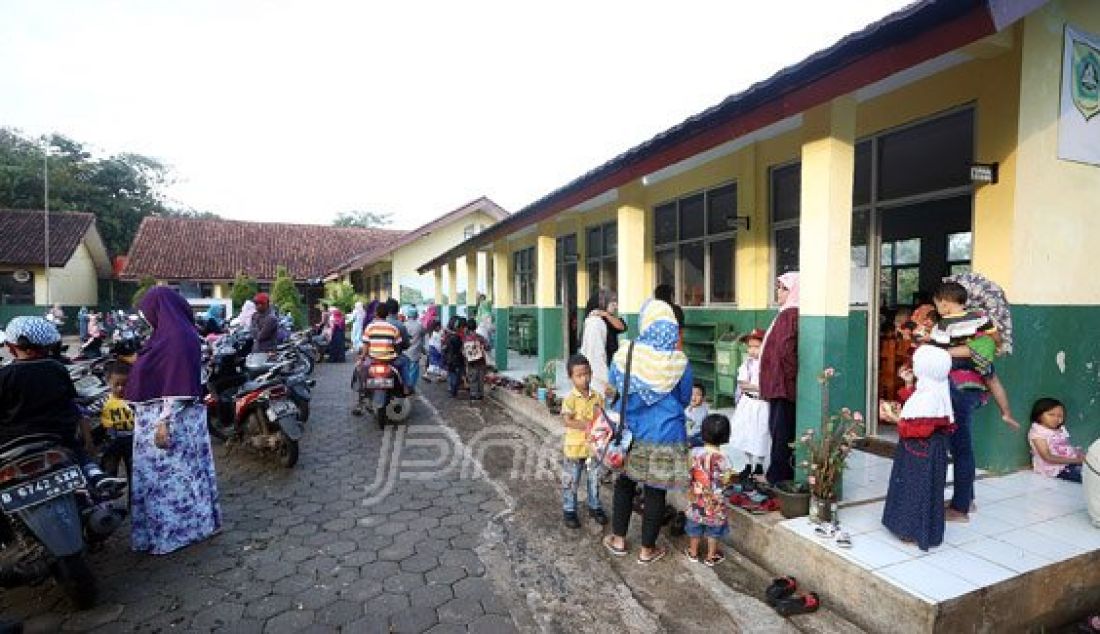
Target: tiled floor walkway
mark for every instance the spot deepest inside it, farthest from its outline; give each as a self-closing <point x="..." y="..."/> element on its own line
<point x="1023" y="522"/>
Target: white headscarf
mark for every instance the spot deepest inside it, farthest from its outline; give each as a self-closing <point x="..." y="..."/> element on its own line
<point x="932" y="398"/>
<point x="248" y="309"/>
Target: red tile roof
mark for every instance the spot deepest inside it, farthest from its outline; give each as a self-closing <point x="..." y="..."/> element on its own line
<point x="194" y="249"/>
<point x="23" y="234"/>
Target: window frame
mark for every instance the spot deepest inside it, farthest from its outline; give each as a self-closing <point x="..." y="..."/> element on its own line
<point x="777" y="226"/>
<point x="601" y="259"/>
<point x="524" y="271"/>
<point x="707" y="240"/>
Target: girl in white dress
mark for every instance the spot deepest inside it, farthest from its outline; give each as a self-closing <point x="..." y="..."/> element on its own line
<point x="749" y="427"/>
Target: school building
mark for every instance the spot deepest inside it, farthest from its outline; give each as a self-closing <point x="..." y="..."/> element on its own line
<point x="949" y="136"/>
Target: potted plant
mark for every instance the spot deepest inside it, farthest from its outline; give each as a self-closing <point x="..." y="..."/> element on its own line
<point x="827" y="451"/>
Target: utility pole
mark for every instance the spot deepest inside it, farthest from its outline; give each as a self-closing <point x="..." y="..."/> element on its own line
<point x="46" y="206"/>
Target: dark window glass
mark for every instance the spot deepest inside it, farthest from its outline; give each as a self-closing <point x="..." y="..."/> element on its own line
<point x="786" y="192"/>
<point x="691" y="263"/>
<point x="16" y="292"/>
<point x="927" y="157"/>
<point x="786" y="250"/>
<point x="692" y="219"/>
<point x="861" y="188"/>
<point x="959" y="246"/>
<point x="665" y="219"/>
<point x="722" y="209"/>
<point x="721" y="271"/>
<point x="610" y="274"/>
<point x="595" y="243"/>
<point x="610" y="239"/>
<point x="593" y="277"/>
<point x="666" y="267"/>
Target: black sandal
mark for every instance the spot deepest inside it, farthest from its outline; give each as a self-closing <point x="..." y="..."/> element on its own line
<point x="780" y="589"/>
<point x="802" y="604"/>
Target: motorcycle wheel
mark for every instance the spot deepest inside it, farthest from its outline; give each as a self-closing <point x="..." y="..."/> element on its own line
<point x="75" y="577"/>
<point x="288" y="451"/>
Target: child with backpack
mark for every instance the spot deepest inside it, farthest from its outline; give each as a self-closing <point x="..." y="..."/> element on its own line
<point x="474" y="347"/>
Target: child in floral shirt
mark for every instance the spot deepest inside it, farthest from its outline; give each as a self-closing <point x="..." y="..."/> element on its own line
<point x="710" y="473"/>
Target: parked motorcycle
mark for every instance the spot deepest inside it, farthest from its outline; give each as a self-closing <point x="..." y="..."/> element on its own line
<point x="266" y="401"/>
<point x="48" y="517"/>
<point x="381" y="392"/>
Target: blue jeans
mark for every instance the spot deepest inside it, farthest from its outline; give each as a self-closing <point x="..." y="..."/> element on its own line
<point x="454" y="380"/>
<point x="412" y="373"/>
<point x="693" y="529"/>
<point x="571" y="471"/>
<point x="964" y="403"/>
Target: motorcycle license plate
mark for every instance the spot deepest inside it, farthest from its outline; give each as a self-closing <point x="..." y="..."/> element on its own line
<point x="280" y="409"/>
<point x="380" y="384"/>
<point x="31" y="493"/>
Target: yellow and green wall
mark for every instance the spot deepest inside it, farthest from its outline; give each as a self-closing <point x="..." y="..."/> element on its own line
<point x="1033" y="231"/>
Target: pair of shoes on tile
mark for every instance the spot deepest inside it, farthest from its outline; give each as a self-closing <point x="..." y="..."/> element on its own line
<point x="782" y="596"/>
<point x="833" y="531"/>
<point x="571" y="520"/>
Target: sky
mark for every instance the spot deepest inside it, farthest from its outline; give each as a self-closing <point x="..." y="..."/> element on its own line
<point x="295" y="111"/>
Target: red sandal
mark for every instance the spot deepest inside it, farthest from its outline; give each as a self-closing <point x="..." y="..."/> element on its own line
<point x="802" y="604"/>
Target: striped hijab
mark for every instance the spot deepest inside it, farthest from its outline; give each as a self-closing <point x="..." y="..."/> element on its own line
<point x="657" y="365"/>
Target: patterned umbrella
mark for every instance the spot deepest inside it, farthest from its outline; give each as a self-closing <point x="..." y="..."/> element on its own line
<point x="987" y="296"/>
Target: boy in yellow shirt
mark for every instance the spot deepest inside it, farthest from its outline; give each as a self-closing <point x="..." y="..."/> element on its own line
<point x="118" y="419"/>
<point x="578" y="411"/>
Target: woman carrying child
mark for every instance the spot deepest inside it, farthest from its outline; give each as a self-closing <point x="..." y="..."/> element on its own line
<point x="657" y="388"/>
<point x="1051" y="453"/>
<point x="914" y="509"/>
<point x="750" y="420"/>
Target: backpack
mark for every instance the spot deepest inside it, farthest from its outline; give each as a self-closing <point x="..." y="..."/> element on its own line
<point x="472" y="349"/>
<point x="452" y="351"/>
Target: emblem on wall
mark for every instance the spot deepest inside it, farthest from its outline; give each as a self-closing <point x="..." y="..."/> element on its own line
<point x="1086" y="79"/>
<point x="1078" y="125"/>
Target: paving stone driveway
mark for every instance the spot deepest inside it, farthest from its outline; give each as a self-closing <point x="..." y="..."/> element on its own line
<point x="339" y="543"/>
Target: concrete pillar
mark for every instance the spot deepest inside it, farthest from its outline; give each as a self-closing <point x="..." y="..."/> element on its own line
<point x="502" y="302"/>
<point x="437" y="284"/>
<point x="828" y="161"/>
<point x="548" y="313"/>
<point x="635" y="286"/>
<point x="452" y="289"/>
<point x="582" y="272"/>
<point x="471" y="283"/>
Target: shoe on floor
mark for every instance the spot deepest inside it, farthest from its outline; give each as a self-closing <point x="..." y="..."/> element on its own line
<point x="801" y="604"/>
<point x="571" y="520"/>
<point x="779" y="589"/>
<point x="599" y="516"/>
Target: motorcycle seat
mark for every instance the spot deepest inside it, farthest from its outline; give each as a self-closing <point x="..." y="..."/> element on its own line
<point x="15" y="449"/>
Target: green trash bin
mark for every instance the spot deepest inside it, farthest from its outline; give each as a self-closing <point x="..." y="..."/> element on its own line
<point x="727" y="359"/>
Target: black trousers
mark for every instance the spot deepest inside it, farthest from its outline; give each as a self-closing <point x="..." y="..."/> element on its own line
<point x="781" y="426"/>
<point x="623" y="506"/>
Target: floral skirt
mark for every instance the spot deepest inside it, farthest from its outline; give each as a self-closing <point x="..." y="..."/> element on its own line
<point x="659" y="465"/>
<point x="174" y="491"/>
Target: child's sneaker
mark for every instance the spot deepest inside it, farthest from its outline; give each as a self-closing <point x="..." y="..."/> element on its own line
<point x="571" y="519"/>
<point x="599" y="516"/>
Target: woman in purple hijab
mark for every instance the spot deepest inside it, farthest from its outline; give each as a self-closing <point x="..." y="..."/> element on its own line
<point x="174" y="492"/>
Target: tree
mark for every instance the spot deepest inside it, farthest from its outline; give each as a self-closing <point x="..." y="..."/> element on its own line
<point x="244" y="288"/>
<point x="143" y="288"/>
<point x="120" y="189"/>
<point x="412" y="296"/>
<point x="362" y="219"/>
<point x="343" y="296"/>
<point x="285" y="297"/>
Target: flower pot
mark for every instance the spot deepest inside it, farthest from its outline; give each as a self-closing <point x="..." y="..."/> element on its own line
<point x="794" y="499"/>
<point x="822" y="511"/>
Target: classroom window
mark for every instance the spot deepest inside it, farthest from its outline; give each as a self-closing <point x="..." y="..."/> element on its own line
<point x="602" y="258"/>
<point x="786" y="207"/>
<point x="16" y="289"/>
<point x="523" y="263"/>
<point x="696" y="243"/>
<point x="959" y="252"/>
<point x="565" y="257"/>
<point x="900" y="272"/>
